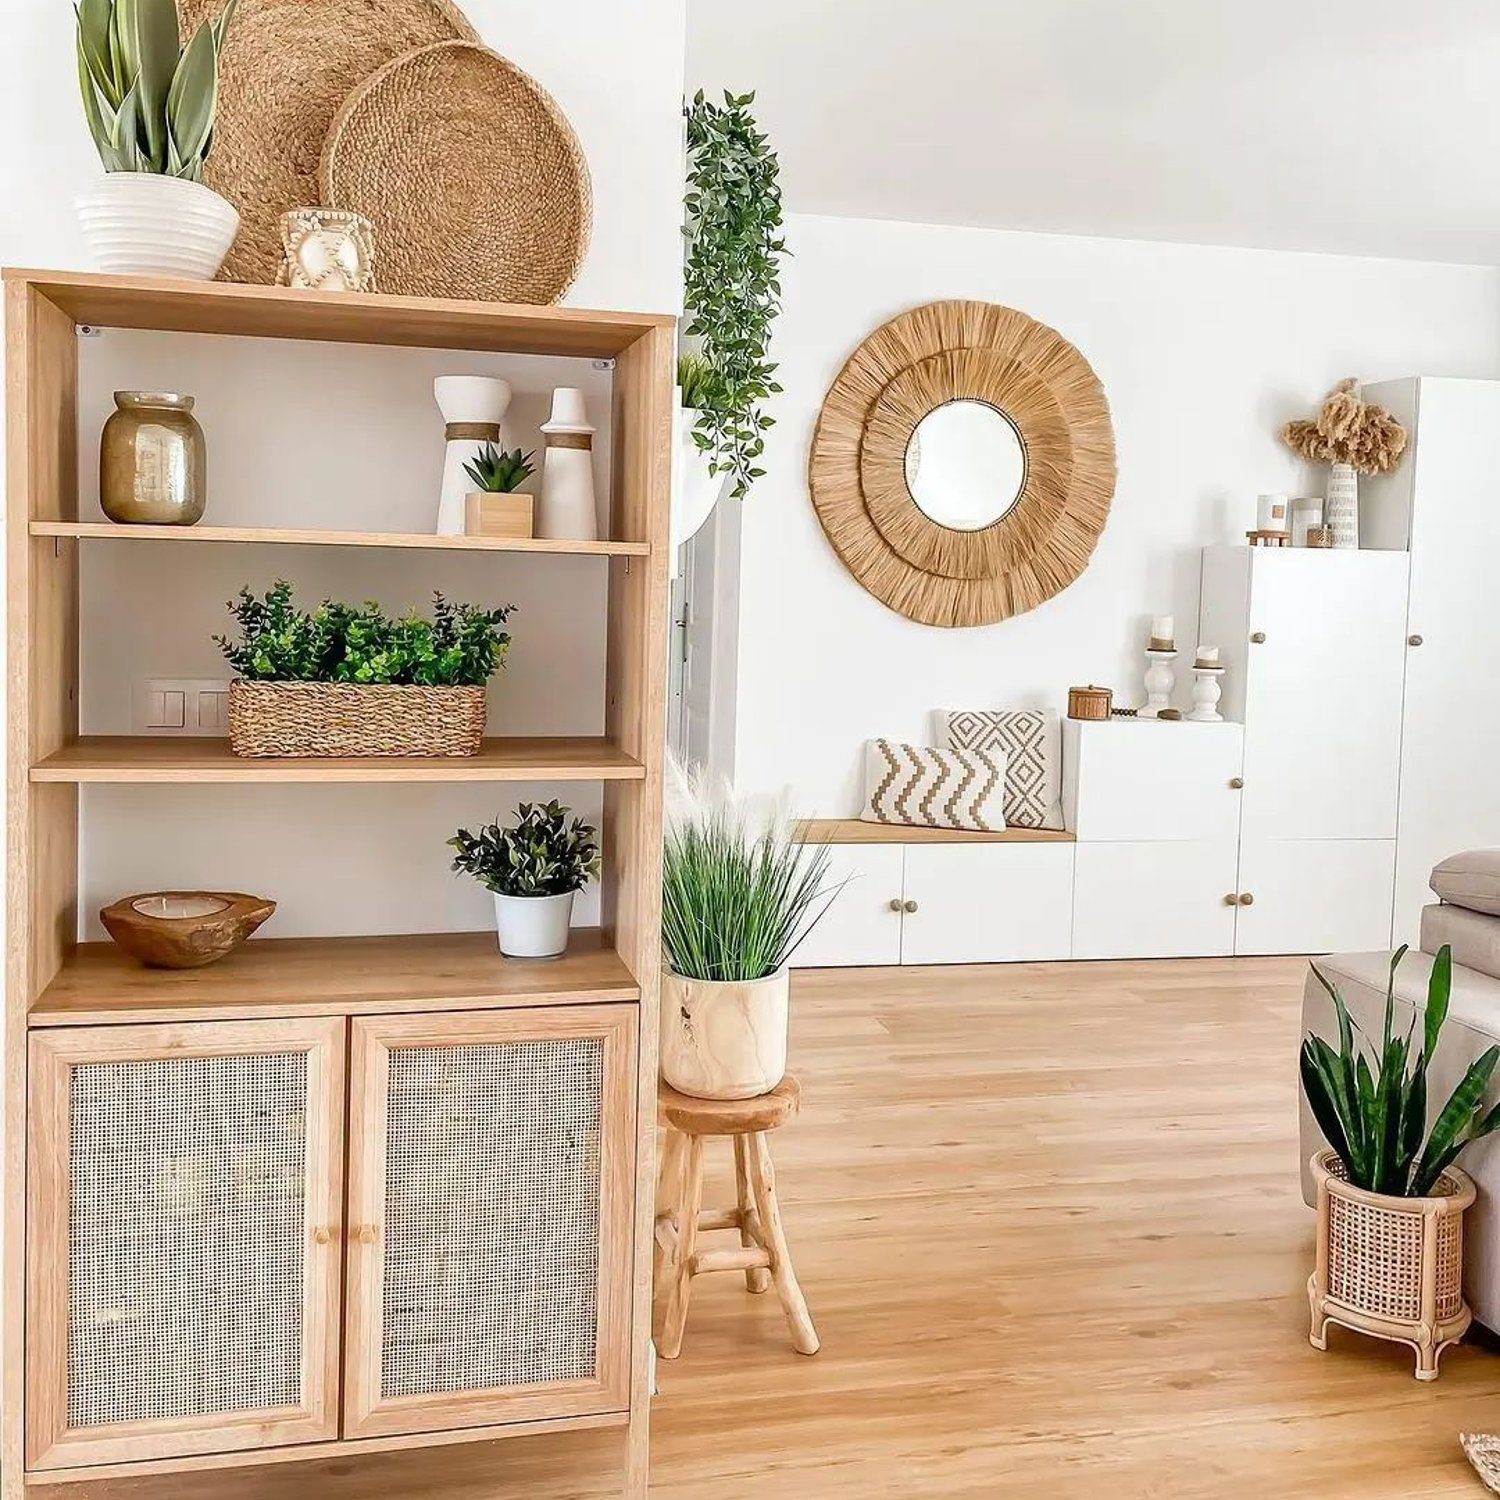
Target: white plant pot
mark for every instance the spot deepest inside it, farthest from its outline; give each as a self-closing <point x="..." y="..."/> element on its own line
<point x="473" y="408"/>
<point x="724" y="1040"/>
<point x="534" y="926"/>
<point x="695" y="491"/>
<point x="142" y="224"/>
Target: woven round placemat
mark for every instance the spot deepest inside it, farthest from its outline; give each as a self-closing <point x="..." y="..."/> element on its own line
<point x="471" y="173"/>
<point x="288" y="66"/>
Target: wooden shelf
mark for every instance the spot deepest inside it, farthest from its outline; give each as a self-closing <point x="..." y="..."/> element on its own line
<point x="269" y="977"/>
<point x="281" y="536"/>
<point x="171" y="306"/>
<point x="856" y="831"/>
<point x="167" y="758"/>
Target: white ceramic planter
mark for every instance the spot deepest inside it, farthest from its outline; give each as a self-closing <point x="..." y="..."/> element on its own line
<point x="695" y="491"/>
<point x="473" y="408"/>
<point x="142" y="224"/>
<point x="534" y="926"/>
<point x="724" y="1040"/>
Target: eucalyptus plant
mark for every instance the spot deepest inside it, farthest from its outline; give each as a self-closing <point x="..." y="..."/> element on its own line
<point x="541" y="853"/>
<point x="1375" y="1115"/>
<point x="731" y="274"/>
<point x="497" y="472"/>
<point x="149" y="100"/>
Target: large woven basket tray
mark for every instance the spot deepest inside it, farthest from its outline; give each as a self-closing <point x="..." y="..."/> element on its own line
<point x="345" y="719"/>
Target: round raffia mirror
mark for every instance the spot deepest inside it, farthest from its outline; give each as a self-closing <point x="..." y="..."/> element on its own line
<point x="964" y="463"/>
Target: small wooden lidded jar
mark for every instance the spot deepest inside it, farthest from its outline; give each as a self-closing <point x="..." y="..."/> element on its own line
<point x="1089" y="702"/>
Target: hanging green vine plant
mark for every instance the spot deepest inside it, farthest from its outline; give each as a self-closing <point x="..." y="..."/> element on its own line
<point x="731" y="281"/>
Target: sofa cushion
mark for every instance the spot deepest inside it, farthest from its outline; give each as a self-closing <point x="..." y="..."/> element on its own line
<point x="1474" y="936"/>
<point x="1470" y="880"/>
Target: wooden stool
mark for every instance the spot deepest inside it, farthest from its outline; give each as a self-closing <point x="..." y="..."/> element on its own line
<point x="763" y="1255"/>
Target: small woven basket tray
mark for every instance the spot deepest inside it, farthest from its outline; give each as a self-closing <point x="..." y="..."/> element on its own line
<point x="346" y="719"/>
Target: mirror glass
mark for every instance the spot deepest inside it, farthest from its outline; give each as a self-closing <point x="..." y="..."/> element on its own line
<point x="965" y="465"/>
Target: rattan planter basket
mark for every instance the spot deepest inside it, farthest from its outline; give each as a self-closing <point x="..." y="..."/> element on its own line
<point x="346" y="719"/>
<point x="1391" y="1267"/>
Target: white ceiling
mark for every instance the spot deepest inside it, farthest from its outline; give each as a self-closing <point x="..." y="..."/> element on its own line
<point x="1361" y="126"/>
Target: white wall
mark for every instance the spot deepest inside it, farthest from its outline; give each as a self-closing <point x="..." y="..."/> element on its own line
<point x="1203" y="353"/>
<point x="330" y="436"/>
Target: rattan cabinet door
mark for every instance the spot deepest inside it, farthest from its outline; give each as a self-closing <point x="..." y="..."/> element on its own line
<point x="183" y="1239"/>
<point x="490" y="1181"/>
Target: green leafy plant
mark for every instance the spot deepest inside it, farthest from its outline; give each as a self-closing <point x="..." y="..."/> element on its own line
<point x="1375" y="1115"/>
<point x="499" y="473"/>
<point x="149" y="101"/>
<point x="731" y="275"/>
<point x="540" y="854"/>
<point x="739" y="893"/>
<point x="694" y="381"/>
<point x="461" y="645"/>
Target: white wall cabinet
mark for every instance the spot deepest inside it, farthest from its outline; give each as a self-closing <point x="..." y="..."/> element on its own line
<point x="1168" y="899"/>
<point x="862" y="929"/>
<point x="1314" y="895"/>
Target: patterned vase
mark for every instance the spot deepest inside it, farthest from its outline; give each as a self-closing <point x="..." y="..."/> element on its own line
<point x="1341" y="513"/>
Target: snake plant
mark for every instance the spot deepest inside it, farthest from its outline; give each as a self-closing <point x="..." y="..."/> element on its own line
<point x="1374" y="1115"/>
<point x="149" y="100"/>
<point x="497" y="472"/>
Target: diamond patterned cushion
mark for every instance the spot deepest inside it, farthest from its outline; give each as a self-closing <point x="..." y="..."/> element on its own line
<point x="1031" y="741"/>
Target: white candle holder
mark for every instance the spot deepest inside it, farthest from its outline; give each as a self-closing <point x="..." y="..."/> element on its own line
<point x="1160" y="680"/>
<point x="1206" y="691"/>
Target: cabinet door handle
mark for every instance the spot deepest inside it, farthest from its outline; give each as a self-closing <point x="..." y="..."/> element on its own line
<point x="1236" y="783"/>
<point x="909" y="906"/>
<point x="323" y="1235"/>
<point x="1232" y="899"/>
<point x="366" y="1234"/>
<point x="1414" y="640"/>
<point x="896" y="904"/>
<point x="1258" y="637"/>
<point x="1246" y="899"/>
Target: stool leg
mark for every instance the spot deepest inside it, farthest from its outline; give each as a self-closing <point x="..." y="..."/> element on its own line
<point x="680" y="1279"/>
<point x="668" y="1198"/>
<point x="757" y="1281"/>
<point x="794" y="1304"/>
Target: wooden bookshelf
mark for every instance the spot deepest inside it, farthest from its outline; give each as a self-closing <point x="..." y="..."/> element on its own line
<point x="345" y="1003"/>
<point x="147" y="760"/>
<point x="283" y="537"/>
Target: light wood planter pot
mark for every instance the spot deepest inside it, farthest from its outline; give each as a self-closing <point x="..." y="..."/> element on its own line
<point x="1391" y="1267"/>
<point x="724" y="1040"/>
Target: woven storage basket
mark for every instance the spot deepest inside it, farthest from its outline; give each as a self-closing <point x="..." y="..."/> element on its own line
<point x="1392" y="1267"/>
<point x="471" y="174"/>
<point x="288" y="66"/>
<point x="345" y="719"/>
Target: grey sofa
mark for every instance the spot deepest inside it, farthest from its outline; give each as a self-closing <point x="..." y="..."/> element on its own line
<point x="1467" y="917"/>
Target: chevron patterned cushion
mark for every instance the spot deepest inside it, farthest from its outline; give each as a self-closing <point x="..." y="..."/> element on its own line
<point x="1031" y="741"/>
<point x="927" y="788"/>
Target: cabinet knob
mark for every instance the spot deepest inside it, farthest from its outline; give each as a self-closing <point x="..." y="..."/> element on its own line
<point x="323" y="1235"/>
<point x="1246" y="899"/>
<point x="909" y="906"/>
<point x="1414" y="640"/>
<point x="1258" y="637"/>
<point x="366" y="1234"/>
<point x="896" y="904"/>
<point x="1236" y="783"/>
<point x="1232" y="899"/>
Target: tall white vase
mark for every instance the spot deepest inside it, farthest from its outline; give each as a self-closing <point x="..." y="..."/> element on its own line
<point x="473" y="407"/>
<point x="567" y="511"/>
<point x="1341" y="513"/>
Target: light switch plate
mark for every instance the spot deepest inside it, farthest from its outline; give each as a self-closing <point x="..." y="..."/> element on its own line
<point x="181" y="705"/>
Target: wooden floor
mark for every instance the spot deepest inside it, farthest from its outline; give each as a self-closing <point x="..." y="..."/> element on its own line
<point x="1048" y="1222"/>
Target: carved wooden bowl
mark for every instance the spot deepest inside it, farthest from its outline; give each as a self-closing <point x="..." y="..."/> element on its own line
<point x="184" y="929"/>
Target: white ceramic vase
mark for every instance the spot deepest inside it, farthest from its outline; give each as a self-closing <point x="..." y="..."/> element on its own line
<point x="724" y="1040"/>
<point x="695" y="491"/>
<point x="1341" y="513"/>
<point x="473" y="408"/>
<point x="144" y="224"/>
<point x="533" y="926"/>
<point x="568" y="511"/>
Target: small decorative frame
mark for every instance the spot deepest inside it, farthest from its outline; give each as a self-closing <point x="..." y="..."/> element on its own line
<point x="1037" y="380"/>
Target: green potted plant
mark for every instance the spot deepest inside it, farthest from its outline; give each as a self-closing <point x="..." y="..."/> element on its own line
<point x="534" y="868"/>
<point x="732" y="290"/>
<point x="739" y="894"/>
<point x="150" y="102"/>
<point x="492" y="507"/>
<point x="349" y="680"/>
<point x="1390" y="1198"/>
